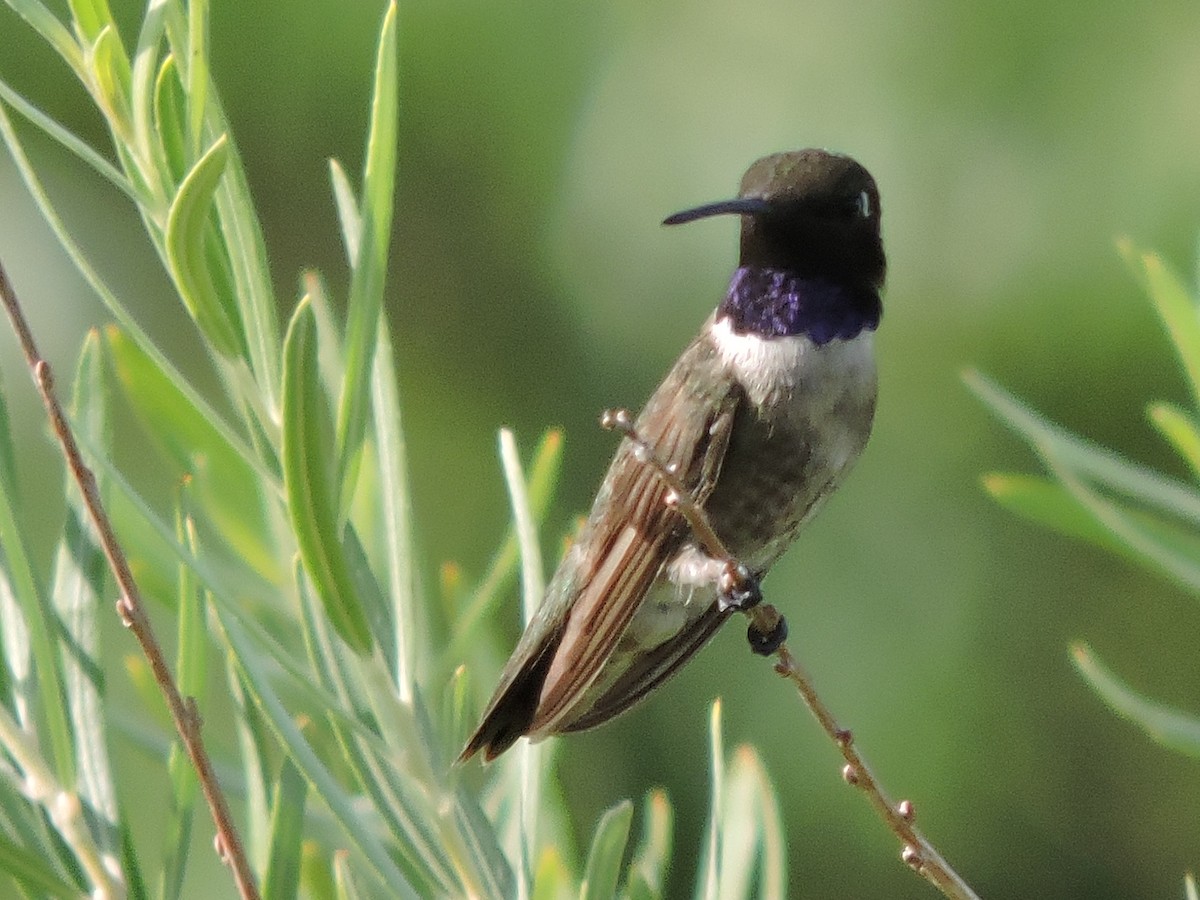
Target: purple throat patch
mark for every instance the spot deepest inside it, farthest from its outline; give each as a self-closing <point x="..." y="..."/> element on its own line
<point x="775" y="303"/>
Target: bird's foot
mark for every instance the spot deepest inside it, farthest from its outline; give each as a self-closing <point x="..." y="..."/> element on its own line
<point x="766" y="643"/>
<point x="738" y="589"/>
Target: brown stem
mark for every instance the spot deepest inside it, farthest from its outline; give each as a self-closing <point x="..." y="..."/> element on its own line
<point x="130" y="607"/>
<point x="918" y="853"/>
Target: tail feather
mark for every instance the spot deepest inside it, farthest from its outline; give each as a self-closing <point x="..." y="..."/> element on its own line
<point x="512" y="708"/>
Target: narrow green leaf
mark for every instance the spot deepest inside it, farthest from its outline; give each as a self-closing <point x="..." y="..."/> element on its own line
<point x="412" y="746"/>
<point x="1175" y="307"/>
<point x="1048" y="503"/>
<point x="15" y="652"/>
<point x="1173" y="552"/>
<point x="423" y="858"/>
<point x="190" y="675"/>
<point x="250" y="665"/>
<point x="42" y="692"/>
<point x="741" y="833"/>
<point x="67" y="139"/>
<point x="16" y="676"/>
<point x="177" y="833"/>
<point x="227" y="486"/>
<point x="329" y="332"/>
<point x="379" y="170"/>
<point x="154" y="170"/>
<point x="532" y="577"/>
<point x="402" y="575"/>
<point x="113" y="305"/>
<point x="132" y="867"/>
<point x="369" y="593"/>
<point x="370" y="265"/>
<point x="1078" y="513"/>
<point x="533" y="589"/>
<point x="543" y="476"/>
<point x="243" y="250"/>
<point x="775" y="847"/>
<point x="186" y="236"/>
<point x="455" y="716"/>
<point x="551" y="881"/>
<point x="1085" y="458"/>
<point x="306" y="473"/>
<point x="30" y="870"/>
<point x="1181" y="429"/>
<point x="1172" y="728"/>
<point x="282" y="878"/>
<point x="316" y="874"/>
<point x="258" y="750"/>
<point x="709" y="880"/>
<point x="602" y="871"/>
<point x="348" y="214"/>
<point x="191" y="667"/>
<point x="26" y="825"/>
<point x="197" y="70"/>
<point x="110" y="81"/>
<point x="8" y="455"/>
<point x="753" y="851"/>
<point x="169" y="112"/>
<point x="230" y="600"/>
<point x="91" y="17"/>
<point x="347" y="887"/>
<point x="52" y="31"/>
<point x="480" y="851"/>
<point x="73" y="843"/>
<point x="246" y="258"/>
<point x="79" y="582"/>
<point x="652" y="859"/>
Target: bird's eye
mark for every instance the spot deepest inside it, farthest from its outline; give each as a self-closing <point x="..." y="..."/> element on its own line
<point x="862" y="205"/>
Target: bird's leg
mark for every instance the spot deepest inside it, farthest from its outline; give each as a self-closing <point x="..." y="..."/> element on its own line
<point x="738" y="589"/>
<point x="695" y="567"/>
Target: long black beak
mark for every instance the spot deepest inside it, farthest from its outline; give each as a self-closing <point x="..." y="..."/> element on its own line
<point x="742" y="206"/>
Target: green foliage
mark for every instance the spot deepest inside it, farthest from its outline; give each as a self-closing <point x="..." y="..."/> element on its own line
<point x="745" y="849"/>
<point x="285" y="561"/>
<point x="1096" y="495"/>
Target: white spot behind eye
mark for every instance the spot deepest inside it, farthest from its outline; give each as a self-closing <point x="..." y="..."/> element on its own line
<point x="864" y="204"/>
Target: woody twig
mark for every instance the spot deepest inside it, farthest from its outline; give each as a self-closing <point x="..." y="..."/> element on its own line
<point x="765" y="621"/>
<point x="130" y="608"/>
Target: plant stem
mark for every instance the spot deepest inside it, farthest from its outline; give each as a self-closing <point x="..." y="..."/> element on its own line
<point x="130" y="607"/>
<point x="918" y="853"/>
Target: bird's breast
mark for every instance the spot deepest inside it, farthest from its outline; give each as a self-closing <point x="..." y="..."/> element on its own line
<point x="791" y="374"/>
<point x="806" y="420"/>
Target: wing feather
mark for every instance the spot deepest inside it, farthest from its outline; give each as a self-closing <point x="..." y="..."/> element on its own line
<point x="633" y="538"/>
<point x="651" y="670"/>
<point x="630" y="536"/>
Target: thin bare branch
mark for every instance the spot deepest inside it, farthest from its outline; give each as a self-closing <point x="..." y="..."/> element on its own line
<point x="917" y="853"/>
<point x="130" y="607"/>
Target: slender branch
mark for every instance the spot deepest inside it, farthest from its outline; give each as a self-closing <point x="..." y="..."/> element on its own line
<point x="918" y="853"/>
<point x="130" y="607"/>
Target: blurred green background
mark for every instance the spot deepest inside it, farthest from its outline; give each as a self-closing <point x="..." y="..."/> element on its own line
<point x="542" y="142"/>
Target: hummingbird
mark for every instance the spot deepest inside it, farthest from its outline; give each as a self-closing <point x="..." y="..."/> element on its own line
<point x="759" y="420"/>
